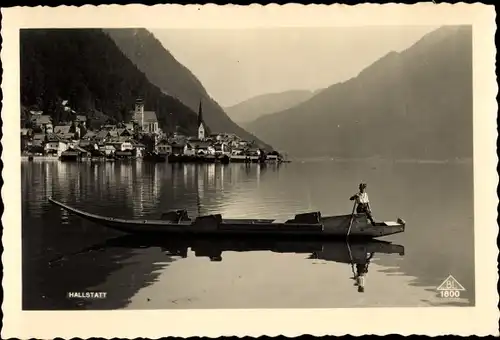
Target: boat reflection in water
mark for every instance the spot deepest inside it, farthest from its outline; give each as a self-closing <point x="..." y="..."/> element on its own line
<point x="356" y="254"/>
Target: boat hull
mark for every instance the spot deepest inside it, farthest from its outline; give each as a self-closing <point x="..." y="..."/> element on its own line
<point x="310" y="225"/>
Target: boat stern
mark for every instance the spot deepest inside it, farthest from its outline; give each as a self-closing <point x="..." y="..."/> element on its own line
<point x="402" y="223"/>
<point x="390" y="227"/>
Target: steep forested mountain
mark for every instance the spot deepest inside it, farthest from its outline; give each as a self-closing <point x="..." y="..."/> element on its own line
<point x="413" y="104"/>
<point x="264" y="104"/>
<point x="85" y="67"/>
<point x="163" y="70"/>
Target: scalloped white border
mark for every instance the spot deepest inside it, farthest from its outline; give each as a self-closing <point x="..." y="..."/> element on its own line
<point x="479" y="320"/>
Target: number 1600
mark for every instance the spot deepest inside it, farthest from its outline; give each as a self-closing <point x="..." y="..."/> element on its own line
<point x="450" y="293"/>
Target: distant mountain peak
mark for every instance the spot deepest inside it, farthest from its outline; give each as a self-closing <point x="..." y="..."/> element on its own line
<point x="411" y="104"/>
<point x="255" y="107"/>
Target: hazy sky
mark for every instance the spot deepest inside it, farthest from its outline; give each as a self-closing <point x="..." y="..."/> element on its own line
<point x="236" y="64"/>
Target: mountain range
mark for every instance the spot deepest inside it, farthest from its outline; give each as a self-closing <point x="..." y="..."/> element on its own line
<point x="164" y="71"/>
<point x="101" y="73"/>
<point x="258" y="106"/>
<point x="411" y="104"/>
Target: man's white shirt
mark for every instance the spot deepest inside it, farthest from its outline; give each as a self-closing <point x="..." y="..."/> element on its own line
<point x="363" y="197"/>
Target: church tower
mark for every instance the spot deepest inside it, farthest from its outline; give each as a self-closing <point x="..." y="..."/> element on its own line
<point x="139" y="112"/>
<point x="201" y="124"/>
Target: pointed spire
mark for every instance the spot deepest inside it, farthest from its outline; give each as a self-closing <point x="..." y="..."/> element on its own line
<point x="200" y="114"/>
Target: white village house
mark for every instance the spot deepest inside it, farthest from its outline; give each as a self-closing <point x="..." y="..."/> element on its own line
<point x="44" y="122"/>
<point x="163" y="147"/>
<point x="55" y="145"/>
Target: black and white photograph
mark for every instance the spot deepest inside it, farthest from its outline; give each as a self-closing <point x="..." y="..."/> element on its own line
<point x="266" y="167"/>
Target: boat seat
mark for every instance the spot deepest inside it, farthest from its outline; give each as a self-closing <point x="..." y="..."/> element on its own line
<point x="209" y="222"/>
<point x="216" y="218"/>
<point x="307" y="218"/>
<point x="391" y="223"/>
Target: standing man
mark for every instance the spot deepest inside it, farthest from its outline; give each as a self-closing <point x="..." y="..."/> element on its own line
<point x="363" y="203"/>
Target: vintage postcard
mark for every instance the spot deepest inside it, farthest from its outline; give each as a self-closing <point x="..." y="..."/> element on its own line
<point x="249" y="170"/>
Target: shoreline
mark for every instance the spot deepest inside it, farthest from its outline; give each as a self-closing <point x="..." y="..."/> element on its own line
<point x="165" y="159"/>
<point x="316" y="160"/>
<point x="45" y="158"/>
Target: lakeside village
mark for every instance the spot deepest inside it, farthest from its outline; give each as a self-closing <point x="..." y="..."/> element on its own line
<point x="141" y="138"/>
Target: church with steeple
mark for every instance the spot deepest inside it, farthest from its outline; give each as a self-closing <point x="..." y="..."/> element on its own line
<point x="202" y="128"/>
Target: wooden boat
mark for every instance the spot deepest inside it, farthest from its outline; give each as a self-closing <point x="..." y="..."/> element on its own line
<point x="303" y="225"/>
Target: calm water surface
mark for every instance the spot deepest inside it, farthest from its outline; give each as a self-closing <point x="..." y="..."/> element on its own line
<point x="63" y="253"/>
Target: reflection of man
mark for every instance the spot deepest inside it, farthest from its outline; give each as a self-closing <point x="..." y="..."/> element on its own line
<point x="361" y="271"/>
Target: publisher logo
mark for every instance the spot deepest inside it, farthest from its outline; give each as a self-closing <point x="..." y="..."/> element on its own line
<point x="450" y="288"/>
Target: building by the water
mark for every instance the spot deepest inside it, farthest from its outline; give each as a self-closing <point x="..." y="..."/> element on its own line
<point x="147" y="120"/>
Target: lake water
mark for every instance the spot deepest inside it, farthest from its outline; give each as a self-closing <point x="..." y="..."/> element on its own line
<point x="63" y="253"/>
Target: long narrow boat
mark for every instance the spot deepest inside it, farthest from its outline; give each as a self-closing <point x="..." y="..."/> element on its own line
<point x="302" y="225"/>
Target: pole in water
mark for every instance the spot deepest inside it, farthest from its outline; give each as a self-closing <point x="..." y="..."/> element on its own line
<point x="352" y="219"/>
<point x="350" y="259"/>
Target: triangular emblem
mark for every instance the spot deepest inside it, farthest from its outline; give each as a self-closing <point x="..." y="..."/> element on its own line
<point x="451" y="284"/>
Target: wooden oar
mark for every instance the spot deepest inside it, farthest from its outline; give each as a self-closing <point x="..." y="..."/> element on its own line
<point x="352" y="219"/>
